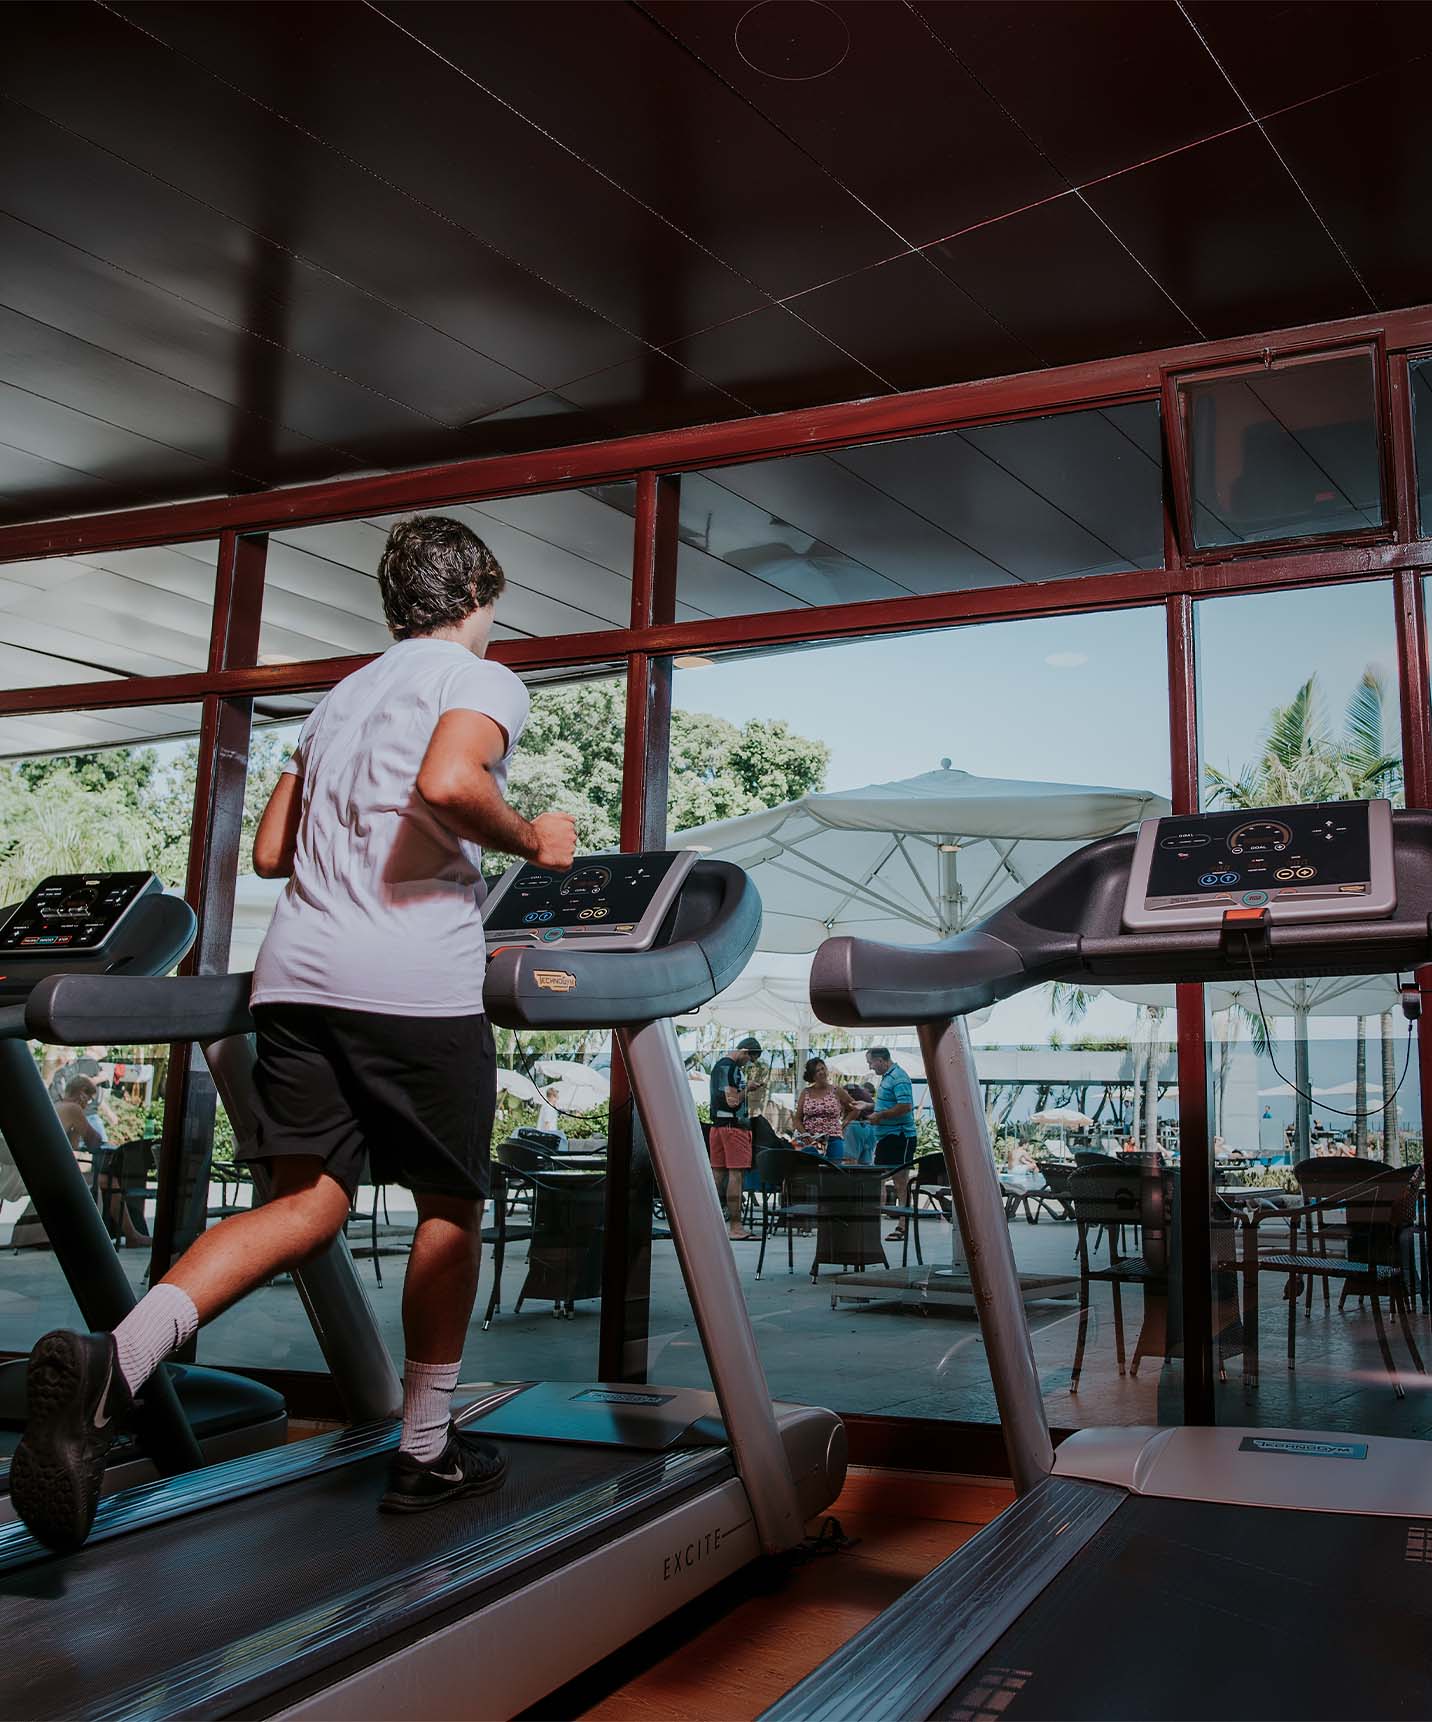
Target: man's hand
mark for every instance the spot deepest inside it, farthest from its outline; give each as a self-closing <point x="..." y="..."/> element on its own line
<point x="555" y="835"/>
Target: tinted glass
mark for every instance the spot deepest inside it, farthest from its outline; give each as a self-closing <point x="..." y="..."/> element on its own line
<point x="1077" y="701"/>
<point x="1310" y="1075"/>
<point x="1287" y="451"/>
<point x="567" y="558"/>
<point x="995" y="505"/>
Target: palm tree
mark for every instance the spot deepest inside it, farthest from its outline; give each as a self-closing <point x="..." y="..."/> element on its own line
<point x="1302" y="760"/>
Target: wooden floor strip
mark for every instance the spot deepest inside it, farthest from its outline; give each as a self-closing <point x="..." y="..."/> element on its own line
<point x="729" y="1654"/>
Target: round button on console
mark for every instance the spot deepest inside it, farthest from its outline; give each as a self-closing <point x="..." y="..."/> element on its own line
<point x="1254" y="899"/>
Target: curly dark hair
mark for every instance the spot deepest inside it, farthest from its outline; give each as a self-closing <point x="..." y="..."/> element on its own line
<point x="812" y="1065"/>
<point x="435" y="572"/>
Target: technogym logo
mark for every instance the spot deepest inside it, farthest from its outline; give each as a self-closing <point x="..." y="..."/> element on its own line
<point x="1304" y="1449"/>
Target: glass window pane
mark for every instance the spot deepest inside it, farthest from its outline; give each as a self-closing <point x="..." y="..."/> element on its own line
<point x="105" y="614"/>
<point x="1289" y="450"/>
<point x="567" y="557"/>
<point x="1421" y="376"/>
<point x="1081" y="700"/>
<point x="101" y="807"/>
<point x="1314" y="1072"/>
<point x="995" y="505"/>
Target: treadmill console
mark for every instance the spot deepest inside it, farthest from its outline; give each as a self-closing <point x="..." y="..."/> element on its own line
<point x="602" y="902"/>
<point x="73" y="913"/>
<point x="1326" y="861"/>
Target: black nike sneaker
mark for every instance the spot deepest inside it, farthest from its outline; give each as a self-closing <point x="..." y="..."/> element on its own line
<point x="78" y="1403"/>
<point x="468" y="1465"/>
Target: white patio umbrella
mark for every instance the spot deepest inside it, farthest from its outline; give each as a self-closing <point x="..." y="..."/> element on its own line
<point x="521" y="1087"/>
<point x="579" y="1086"/>
<point x="910" y="1059"/>
<point x="914" y="860"/>
<point x="1301" y="999"/>
<point x="1066" y="1117"/>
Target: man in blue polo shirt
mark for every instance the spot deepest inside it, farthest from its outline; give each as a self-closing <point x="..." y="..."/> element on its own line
<point x="894" y="1122"/>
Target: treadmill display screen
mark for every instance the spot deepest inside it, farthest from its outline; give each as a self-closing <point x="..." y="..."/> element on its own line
<point x="1322" y="861"/>
<point x="72" y="912"/>
<point x="601" y="894"/>
<point x="1322" y="846"/>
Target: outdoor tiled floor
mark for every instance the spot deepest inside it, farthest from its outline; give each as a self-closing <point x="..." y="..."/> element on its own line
<point x="875" y="1358"/>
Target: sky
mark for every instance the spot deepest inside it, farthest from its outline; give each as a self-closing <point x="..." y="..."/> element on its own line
<point x="1079" y="699"/>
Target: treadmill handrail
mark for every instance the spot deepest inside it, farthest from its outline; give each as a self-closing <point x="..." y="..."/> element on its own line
<point x="74" y="1010"/>
<point x="717" y="922"/>
<point x="1067" y="925"/>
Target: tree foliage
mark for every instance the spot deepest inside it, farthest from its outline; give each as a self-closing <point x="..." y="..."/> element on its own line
<point x="571" y="760"/>
<point x="131" y="807"/>
<point x="1303" y="758"/>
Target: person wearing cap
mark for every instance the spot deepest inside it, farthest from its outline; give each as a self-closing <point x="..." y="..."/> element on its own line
<point x="731" y="1131"/>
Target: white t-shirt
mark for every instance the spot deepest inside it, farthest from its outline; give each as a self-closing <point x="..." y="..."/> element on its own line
<point x="383" y="909"/>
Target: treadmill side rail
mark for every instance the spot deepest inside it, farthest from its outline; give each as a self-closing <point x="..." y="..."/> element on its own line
<point x="708" y="1266"/>
<point x="907" y="1659"/>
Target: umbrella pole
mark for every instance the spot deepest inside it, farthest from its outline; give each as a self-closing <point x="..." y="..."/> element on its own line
<point x="1301" y="1076"/>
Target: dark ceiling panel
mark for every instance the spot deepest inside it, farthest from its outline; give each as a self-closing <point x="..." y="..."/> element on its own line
<point x="69" y="290"/>
<point x="91" y="71"/>
<point x="907" y="320"/>
<point x="450" y="146"/>
<point x="1277" y="53"/>
<point x="32" y="487"/>
<point x="1097" y="86"/>
<point x="88" y="453"/>
<point x="614" y="87"/>
<point x="895" y="118"/>
<point x="1063" y="284"/>
<point x="652" y="393"/>
<point x="96" y="201"/>
<point x="1364" y="158"/>
<point x="1225" y="227"/>
<point x="236" y="450"/>
<point x="771" y="361"/>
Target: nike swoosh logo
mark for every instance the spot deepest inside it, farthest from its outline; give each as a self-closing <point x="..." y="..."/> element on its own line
<point x="101" y="1411"/>
<point x="449" y="1476"/>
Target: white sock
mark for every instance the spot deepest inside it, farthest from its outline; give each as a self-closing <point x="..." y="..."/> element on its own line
<point x="157" y="1326"/>
<point x="427" y="1408"/>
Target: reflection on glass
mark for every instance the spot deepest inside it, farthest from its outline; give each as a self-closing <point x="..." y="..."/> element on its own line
<point x="1288" y="450"/>
<point x="107" y="613"/>
<point x="567" y="557"/>
<point x="995" y="505"/>
<point x="845" y="777"/>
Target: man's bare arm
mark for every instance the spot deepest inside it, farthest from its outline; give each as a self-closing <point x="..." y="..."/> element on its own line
<point x="458" y="781"/>
<point x="277" y="835"/>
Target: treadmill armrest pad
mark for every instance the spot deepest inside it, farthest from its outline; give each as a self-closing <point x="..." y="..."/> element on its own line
<point x="71" y="1010"/>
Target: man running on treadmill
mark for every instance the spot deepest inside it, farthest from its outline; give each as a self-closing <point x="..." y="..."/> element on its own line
<point x="372" y="1043"/>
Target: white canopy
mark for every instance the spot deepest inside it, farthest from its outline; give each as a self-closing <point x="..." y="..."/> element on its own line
<point x="913" y="860"/>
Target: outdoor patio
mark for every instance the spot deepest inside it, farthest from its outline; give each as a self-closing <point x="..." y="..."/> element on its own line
<point x="878" y="1357"/>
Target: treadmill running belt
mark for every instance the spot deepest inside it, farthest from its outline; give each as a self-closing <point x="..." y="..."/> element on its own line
<point x="224" y="1607"/>
<point x="1186" y="1610"/>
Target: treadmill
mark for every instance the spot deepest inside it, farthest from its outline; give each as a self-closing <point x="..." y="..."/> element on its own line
<point x="272" y="1585"/>
<point x="1170" y="1572"/>
<point x="117" y="923"/>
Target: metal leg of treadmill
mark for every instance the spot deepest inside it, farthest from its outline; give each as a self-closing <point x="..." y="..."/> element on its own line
<point x="331" y="1292"/>
<point x="77" y="1234"/>
<point x="979" y="1208"/>
<point x="708" y="1265"/>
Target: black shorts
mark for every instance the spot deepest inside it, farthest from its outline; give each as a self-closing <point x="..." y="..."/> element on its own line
<point x="894" y="1150"/>
<point x="412" y="1098"/>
